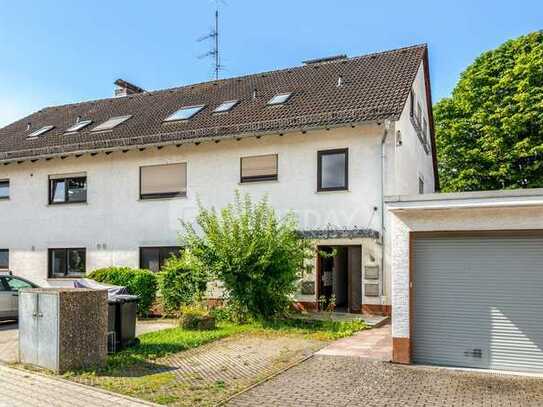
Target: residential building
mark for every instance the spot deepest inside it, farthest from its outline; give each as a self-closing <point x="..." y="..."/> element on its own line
<point x="105" y="182"/>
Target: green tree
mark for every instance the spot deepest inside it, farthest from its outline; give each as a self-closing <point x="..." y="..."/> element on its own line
<point x="490" y="132"/>
<point x="258" y="256"/>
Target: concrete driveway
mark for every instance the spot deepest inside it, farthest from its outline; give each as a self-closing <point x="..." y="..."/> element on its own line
<point x="9" y="334"/>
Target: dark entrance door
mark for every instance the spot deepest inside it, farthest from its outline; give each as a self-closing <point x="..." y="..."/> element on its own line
<point x="340" y="277"/>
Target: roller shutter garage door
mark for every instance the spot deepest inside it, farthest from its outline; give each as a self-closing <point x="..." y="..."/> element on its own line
<point x="478" y="300"/>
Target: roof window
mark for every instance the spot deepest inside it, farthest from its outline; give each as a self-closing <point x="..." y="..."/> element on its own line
<point x="78" y="126"/>
<point x="184" y="113"/>
<point x="279" y="99"/>
<point x="111" y="123"/>
<point x="226" y="106"/>
<point x="35" y="134"/>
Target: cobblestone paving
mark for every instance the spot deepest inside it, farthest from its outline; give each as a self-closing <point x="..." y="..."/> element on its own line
<point x="208" y="374"/>
<point x="348" y="381"/>
<point x="19" y="388"/>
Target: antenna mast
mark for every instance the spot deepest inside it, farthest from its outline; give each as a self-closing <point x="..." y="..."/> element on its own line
<point x="214" y="52"/>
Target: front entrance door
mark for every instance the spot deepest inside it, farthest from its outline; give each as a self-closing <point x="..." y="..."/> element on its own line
<point x="340" y="278"/>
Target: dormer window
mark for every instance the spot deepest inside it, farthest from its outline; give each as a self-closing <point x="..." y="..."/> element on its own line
<point x="184" y="113"/>
<point x="226" y="106"/>
<point x="279" y="99"/>
<point x="112" y="123"/>
<point x="39" y="132"/>
<point x="78" y="126"/>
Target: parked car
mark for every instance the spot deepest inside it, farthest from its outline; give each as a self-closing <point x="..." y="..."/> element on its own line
<point x="9" y="295"/>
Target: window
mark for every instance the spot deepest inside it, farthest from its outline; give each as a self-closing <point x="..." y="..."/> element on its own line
<point x="4" y="259"/>
<point x="424" y="131"/>
<point x="184" y="113"/>
<point x="78" y="126"/>
<point x="67" y="263"/>
<point x="421" y="185"/>
<point x="111" y="123"/>
<point x="153" y="258"/>
<point x="225" y="106"/>
<point x="4" y="189"/>
<point x="259" y="168"/>
<point x="39" y="132"/>
<point x="16" y="284"/>
<point x="67" y="189"/>
<point x="163" y="181"/>
<point x="332" y="167"/>
<point x="279" y="99"/>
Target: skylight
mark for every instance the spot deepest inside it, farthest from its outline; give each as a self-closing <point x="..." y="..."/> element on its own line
<point x="78" y="126"/>
<point x="39" y="132"/>
<point x="279" y="99"/>
<point x="184" y="113"/>
<point x="111" y="123"/>
<point x="226" y="106"/>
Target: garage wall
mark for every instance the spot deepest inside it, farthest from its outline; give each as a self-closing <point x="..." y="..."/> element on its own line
<point x="450" y="219"/>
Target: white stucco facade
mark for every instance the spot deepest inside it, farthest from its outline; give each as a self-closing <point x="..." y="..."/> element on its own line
<point x="114" y="223"/>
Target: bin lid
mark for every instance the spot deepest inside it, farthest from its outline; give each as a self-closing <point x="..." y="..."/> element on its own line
<point x="113" y="291"/>
<point x="122" y="298"/>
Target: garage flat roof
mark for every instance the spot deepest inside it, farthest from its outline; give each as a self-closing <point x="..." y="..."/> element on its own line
<point x="500" y="198"/>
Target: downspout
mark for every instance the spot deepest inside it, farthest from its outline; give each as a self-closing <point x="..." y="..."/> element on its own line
<point x="387" y="126"/>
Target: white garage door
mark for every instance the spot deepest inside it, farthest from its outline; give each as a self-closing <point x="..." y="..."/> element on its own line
<point x="478" y="301"/>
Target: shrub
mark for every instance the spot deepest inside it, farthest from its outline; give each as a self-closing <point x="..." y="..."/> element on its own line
<point x="142" y="283"/>
<point x="181" y="283"/>
<point x="258" y="256"/>
<point x="196" y="317"/>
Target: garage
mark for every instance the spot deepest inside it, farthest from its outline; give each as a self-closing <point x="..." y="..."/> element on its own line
<point x="478" y="300"/>
<point x="467" y="280"/>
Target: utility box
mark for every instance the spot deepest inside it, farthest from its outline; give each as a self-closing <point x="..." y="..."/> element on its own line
<point x="63" y="329"/>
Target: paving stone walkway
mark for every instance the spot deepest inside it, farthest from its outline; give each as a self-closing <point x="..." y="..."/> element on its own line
<point x="24" y="389"/>
<point x="354" y="381"/>
<point x="373" y="344"/>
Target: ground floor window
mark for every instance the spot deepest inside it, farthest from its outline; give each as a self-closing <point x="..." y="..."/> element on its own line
<point x="4" y="259"/>
<point x="153" y="258"/>
<point x="67" y="263"/>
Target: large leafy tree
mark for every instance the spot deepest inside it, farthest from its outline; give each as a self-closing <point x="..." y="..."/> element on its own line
<point x="490" y="132"/>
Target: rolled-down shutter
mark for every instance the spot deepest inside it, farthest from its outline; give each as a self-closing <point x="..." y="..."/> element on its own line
<point x="478" y="301"/>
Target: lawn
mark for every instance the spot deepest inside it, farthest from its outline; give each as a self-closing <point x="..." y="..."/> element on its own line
<point x="184" y="367"/>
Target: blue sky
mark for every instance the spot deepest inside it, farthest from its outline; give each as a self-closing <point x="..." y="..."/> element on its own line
<point x="56" y="52"/>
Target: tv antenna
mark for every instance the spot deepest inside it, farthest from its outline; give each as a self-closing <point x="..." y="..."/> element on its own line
<point x="213" y="36"/>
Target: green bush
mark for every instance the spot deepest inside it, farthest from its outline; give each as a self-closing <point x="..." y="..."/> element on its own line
<point x="181" y="283"/>
<point x="258" y="256"/>
<point x="142" y="283"/>
<point x="196" y="317"/>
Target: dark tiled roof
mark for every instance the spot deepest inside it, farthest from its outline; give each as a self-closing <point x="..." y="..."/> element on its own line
<point x="374" y="87"/>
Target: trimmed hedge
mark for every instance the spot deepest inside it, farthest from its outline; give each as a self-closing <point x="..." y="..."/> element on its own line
<point x="142" y="283"/>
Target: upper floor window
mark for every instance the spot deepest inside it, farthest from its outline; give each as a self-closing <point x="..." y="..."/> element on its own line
<point x="333" y="170"/>
<point x="67" y="263"/>
<point x="4" y="189"/>
<point x="259" y="168"/>
<point x="4" y="259"/>
<point x="153" y="258"/>
<point x="67" y="188"/>
<point x="163" y="181"/>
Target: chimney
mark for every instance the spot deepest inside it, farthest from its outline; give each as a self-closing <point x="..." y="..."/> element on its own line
<point x="125" y="88"/>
